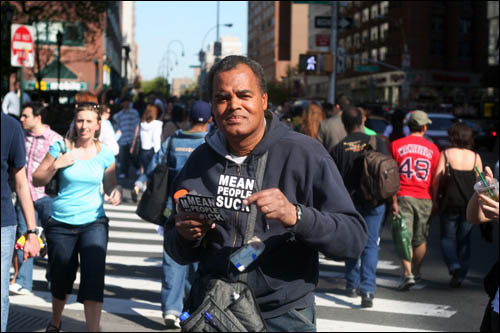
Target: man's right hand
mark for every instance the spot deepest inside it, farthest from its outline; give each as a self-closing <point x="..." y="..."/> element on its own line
<point x="395" y="207"/>
<point x="192" y="226"/>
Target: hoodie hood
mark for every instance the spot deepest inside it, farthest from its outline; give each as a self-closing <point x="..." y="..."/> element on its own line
<point x="275" y="130"/>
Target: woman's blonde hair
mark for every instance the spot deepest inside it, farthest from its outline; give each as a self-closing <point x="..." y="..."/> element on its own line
<point x="311" y="118"/>
<point x="72" y="135"/>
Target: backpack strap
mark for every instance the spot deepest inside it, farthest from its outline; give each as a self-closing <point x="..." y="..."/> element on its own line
<point x="373" y="142"/>
<point x="252" y="217"/>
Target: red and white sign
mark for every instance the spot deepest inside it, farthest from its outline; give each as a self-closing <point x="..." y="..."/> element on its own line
<point x="322" y="40"/>
<point x="22" y="46"/>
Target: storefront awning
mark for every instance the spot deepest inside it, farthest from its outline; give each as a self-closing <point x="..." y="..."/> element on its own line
<point x="50" y="71"/>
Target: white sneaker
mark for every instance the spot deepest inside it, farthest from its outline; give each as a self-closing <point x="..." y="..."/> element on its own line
<point x="172" y="321"/>
<point x="17" y="289"/>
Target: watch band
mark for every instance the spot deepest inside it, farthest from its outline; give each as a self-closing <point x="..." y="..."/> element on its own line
<point x="31" y="231"/>
<point x="299" y="212"/>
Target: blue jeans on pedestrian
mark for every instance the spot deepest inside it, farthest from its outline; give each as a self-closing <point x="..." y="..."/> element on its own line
<point x="362" y="272"/>
<point x="70" y="245"/>
<point x="43" y="210"/>
<point x="175" y="284"/>
<point x="296" y="320"/>
<point x="456" y="242"/>
<point x="8" y="240"/>
<point x="124" y="159"/>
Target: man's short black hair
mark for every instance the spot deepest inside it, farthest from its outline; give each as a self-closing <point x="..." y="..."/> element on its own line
<point x="38" y="109"/>
<point x="415" y="127"/>
<point x="352" y="118"/>
<point x="230" y="62"/>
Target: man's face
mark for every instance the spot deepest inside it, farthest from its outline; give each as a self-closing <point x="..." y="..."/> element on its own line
<point x="27" y="120"/>
<point x="238" y="103"/>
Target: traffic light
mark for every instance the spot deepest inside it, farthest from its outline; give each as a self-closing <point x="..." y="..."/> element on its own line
<point x="308" y="63"/>
<point x="217" y="49"/>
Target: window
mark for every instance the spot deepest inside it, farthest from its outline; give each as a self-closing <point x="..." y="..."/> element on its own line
<point x="384" y="28"/>
<point x="437" y="23"/>
<point x="437" y="47"/>
<point x="348" y="42"/>
<point x="364" y="58"/>
<point x="374" y="54"/>
<point x="365" y="15"/>
<point x="382" y="53"/>
<point x="466" y="26"/>
<point x="356" y="60"/>
<point x="464" y="50"/>
<point x="357" y="42"/>
<point x="374" y="11"/>
<point x="365" y="36"/>
<point x="341" y="42"/>
<point x="46" y="33"/>
<point x="374" y="34"/>
<point x="384" y="7"/>
<point x="348" y="63"/>
<point x="357" y="20"/>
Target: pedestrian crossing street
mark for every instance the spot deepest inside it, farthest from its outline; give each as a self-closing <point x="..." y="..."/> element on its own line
<point x="133" y="283"/>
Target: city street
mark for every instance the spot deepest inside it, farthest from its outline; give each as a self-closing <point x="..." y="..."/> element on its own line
<point x="132" y="292"/>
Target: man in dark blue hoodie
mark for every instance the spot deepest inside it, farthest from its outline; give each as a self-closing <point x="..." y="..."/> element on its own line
<point x="303" y="206"/>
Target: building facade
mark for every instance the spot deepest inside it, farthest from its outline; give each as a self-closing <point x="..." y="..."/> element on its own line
<point x="129" y="42"/>
<point x="277" y="34"/>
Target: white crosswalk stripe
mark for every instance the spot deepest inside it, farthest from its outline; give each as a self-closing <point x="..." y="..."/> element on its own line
<point x="137" y="245"/>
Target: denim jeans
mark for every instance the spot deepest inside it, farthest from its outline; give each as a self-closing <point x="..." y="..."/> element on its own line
<point x="8" y="239"/>
<point x="362" y="271"/>
<point x="43" y="210"/>
<point x="124" y="159"/>
<point x="296" y="320"/>
<point x="456" y="242"/>
<point x="67" y="243"/>
<point x="175" y="284"/>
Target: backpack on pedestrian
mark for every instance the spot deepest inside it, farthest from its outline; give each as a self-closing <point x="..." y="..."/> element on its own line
<point x="379" y="175"/>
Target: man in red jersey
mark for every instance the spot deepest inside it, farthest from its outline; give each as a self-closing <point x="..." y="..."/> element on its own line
<point x="417" y="159"/>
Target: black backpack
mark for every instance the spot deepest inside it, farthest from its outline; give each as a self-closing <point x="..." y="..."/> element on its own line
<point x="379" y="175"/>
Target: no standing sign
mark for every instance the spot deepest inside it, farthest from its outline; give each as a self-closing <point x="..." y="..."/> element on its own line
<point x="22" y="46"/>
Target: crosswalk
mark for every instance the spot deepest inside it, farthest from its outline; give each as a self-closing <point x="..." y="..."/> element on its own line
<point x="133" y="283"/>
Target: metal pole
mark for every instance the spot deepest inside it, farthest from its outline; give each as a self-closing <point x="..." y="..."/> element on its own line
<point x="218" y="7"/>
<point x="333" y="50"/>
<point x="21" y="84"/>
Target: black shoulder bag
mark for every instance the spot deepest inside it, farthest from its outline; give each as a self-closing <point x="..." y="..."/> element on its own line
<point x="154" y="199"/>
<point x="226" y="306"/>
<point x="52" y="188"/>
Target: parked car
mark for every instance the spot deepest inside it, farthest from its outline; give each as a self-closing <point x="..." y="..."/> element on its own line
<point x="438" y="130"/>
<point x="376" y="123"/>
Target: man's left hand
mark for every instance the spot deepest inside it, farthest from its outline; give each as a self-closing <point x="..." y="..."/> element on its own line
<point x="274" y="205"/>
<point x="31" y="247"/>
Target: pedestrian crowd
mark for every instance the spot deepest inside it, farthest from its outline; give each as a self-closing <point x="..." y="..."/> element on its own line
<point x="282" y="185"/>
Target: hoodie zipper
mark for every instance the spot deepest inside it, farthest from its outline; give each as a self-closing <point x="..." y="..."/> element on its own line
<point x="237" y="222"/>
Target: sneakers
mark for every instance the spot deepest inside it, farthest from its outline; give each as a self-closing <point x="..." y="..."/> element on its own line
<point x="367" y="300"/>
<point x="172" y="321"/>
<point x="134" y="193"/>
<point x="353" y="293"/>
<point x="17" y="289"/>
<point x="406" y="283"/>
<point x="52" y="328"/>
<point x="456" y="280"/>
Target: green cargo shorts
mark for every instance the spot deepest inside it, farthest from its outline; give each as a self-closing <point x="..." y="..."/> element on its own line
<point x="417" y="213"/>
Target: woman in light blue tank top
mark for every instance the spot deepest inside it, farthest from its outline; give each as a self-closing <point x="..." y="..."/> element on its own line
<point x="78" y="227"/>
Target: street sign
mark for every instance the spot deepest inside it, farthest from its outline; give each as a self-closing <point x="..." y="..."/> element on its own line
<point x="323" y="22"/>
<point x="369" y="68"/>
<point x="22" y="48"/>
<point x="345" y="22"/>
<point x="340" y="60"/>
<point x="322" y="40"/>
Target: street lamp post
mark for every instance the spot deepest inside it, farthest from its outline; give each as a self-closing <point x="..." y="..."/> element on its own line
<point x="127" y="52"/>
<point x="203" y="56"/>
<point x="59" y="37"/>
<point x="166" y="57"/>
<point x="167" y="52"/>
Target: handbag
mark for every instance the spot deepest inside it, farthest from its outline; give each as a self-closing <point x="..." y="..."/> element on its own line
<point x="137" y="145"/>
<point x="52" y="188"/>
<point x="154" y="199"/>
<point x="221" y="305"/>
<point x="401" y="237"/>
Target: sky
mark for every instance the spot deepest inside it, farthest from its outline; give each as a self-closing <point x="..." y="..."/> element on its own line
<point x="160" y="23"/>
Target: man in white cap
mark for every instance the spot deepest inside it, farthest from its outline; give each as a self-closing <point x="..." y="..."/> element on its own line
<point x="417" y="159"/>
